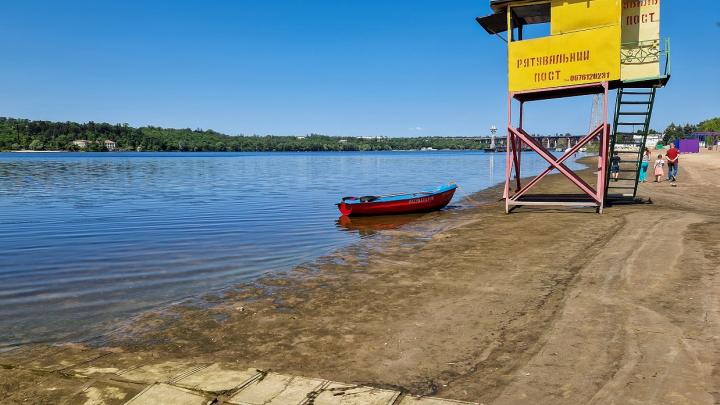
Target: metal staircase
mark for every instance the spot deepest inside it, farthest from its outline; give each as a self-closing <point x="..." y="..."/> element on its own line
<point x="633" y="110"/>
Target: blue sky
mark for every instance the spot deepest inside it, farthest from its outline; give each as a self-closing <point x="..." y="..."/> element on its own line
<point x="338" y="67"/>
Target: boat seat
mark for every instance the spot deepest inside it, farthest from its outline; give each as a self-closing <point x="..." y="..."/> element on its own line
<point x="367" y="198"/>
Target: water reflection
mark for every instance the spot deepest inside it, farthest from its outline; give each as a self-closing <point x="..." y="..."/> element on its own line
<point x="368" y="226"/>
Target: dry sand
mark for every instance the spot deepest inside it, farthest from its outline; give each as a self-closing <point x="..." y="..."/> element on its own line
<point x="540" y="306"/>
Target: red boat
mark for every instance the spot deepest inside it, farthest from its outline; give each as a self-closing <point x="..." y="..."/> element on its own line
<point x="423" y="201"/>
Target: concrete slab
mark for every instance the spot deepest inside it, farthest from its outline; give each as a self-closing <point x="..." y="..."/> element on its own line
<point x="345" y="394"/>
<point x="217" y="378"/>
<point x="104" y="393"/>
<point x="160" y="372"/>
<point x="410" y="400"/>
<point x="277" y="389"/>
<point x="167" y="394"/>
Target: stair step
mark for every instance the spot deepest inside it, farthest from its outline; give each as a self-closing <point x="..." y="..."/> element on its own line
<point x="631" y="123"/>
<point x="635" y="102"/>
<point x="637" y="93"/>
<point x="633" y="113"/>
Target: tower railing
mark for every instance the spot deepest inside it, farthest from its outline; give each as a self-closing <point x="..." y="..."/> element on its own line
<point x="639" y="52"/>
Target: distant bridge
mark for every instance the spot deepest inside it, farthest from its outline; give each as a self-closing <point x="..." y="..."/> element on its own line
<point x="550" y="142"/>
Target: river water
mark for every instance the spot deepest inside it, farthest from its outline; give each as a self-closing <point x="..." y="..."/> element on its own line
<point x="87" y="239"/>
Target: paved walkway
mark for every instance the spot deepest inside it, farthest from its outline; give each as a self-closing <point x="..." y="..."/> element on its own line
<point x="97" y="377"/>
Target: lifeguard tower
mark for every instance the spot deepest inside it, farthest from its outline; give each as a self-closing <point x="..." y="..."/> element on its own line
<point x="587" y="47"/>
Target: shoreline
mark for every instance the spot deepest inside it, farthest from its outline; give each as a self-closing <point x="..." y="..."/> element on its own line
<point x="248" y="151"/>
<point x="465" y="313"/>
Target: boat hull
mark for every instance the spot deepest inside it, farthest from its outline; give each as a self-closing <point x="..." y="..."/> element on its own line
<point x="425" y="203"/>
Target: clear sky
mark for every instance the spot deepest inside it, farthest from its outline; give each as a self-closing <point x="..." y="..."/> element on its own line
<point x="338" y="67"/>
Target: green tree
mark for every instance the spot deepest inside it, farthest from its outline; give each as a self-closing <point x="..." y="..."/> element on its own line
<point x="36" y="144"/>
<point x="711" y="125"/>
<point x="672" y="133"/>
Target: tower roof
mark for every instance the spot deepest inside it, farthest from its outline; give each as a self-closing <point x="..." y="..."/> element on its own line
<point x="530" y="14"/>
<point x="500" y="5"/>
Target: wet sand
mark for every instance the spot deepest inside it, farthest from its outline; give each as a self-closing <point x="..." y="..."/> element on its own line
<point x="540" y="306"/>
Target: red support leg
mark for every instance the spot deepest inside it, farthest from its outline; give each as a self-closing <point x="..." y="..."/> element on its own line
<point x="603" y="151"/>
<point x="518" y="150"/>
<point x="508" y="162"/>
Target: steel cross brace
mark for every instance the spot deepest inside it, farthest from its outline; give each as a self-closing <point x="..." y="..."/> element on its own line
<point x="557" y="163"/>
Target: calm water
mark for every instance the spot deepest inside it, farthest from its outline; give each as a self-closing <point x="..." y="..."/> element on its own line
<point x="89" y="238"/>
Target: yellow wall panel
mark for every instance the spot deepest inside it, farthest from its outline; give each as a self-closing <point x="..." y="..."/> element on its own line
<point x="640" y="20"/>
<point x="641" y="39"/>
<point x="581" y="57"/>
<point x="575" y="15"/>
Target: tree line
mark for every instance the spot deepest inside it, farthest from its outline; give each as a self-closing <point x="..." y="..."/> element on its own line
<point x="23" y="134"/>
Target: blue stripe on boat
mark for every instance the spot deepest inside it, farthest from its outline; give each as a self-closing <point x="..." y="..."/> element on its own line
<point x="409" y="196"/>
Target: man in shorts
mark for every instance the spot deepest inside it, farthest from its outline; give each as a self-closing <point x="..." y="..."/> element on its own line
<point x="673" y="158"/>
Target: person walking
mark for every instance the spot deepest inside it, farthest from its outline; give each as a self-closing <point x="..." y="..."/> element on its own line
<point x="615" y="166"/>
<point x="673" y="159"/>
<point x="659" y="163"/>
<point x="644" y="165"/>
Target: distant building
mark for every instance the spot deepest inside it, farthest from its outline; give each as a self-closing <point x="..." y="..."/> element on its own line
<point x="110" y="145"/>
<point x="81" y="143"/>
<point x="651" y="142"/>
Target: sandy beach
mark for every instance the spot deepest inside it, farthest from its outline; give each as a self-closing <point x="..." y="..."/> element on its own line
<point x="541" y="306"/>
